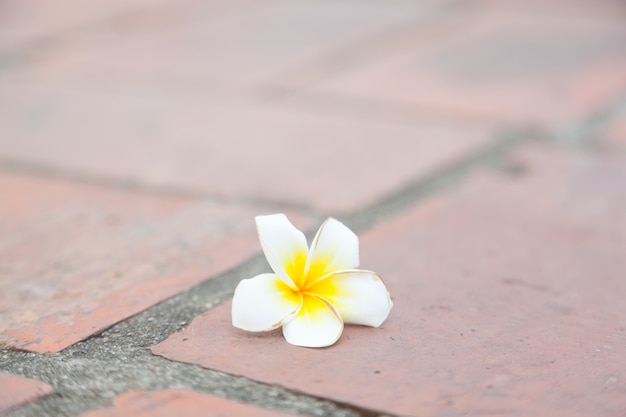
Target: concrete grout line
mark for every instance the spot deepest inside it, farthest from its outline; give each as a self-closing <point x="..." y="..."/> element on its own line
<point x="137" y="186"/>
<point x="585" y="133"/>
<point x="90" y="373"/>
<point x="84" y="382"/>
<point x="492" y="156"/>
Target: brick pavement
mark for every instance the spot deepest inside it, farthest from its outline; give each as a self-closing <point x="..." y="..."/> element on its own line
<point x="477" y="147"/>
<point x="503" y="290"/>
<point x="17" y="390"/>
<point x="82" y="258"/>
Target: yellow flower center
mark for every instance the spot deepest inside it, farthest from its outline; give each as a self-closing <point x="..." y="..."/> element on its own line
<point x="306" y="281"/>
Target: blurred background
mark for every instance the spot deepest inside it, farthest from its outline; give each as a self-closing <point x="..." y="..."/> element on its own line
<point x="324" y="105"/>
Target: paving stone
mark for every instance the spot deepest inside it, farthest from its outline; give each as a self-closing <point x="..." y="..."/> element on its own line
<point x="23" y="21"/>
<point x="507" y="67"/>
<point x="508" y="300"/>
<point x="16" y="390"/>
<point x="172" y="402"/>
<point x="250" y="44"/>
<point x="329" y="163"/>
<point x="77" y="259"/>
<point x="615" y="132"/>
<point x="601" y="8"/>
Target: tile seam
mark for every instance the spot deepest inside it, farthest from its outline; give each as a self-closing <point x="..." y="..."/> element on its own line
<point x="37" y="170"/>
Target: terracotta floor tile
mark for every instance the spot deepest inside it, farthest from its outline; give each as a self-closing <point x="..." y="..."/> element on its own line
<point x="16" y="390"/>
<point x="512" y="68"/>
<point x="181" y="402"/>
<point x="77" y="259"/>
<point x="254" y="43"/>
<point x="601" y="8"/>
<point x="24" y="21"/>
<point x="615" y="132"/>
<point x="508" y="300"/>
<point x="330" y="163"/>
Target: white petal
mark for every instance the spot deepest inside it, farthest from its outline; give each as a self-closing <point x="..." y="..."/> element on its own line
<point x="334" y="248"/>
<point x="359" y="296"/>
<point x="263" y="303"/>
<point x="284" y="247"/>
<point x="317" y="324"/>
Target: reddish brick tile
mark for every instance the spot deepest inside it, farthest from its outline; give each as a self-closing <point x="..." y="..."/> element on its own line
<point x="27" y="20"/>
<point x="508" y="301"/>
<point x="330" y="163"/>
<point x="516" y="68"/>
<point x="16" y="390"/>
<point x="77" y="259"/>
<point x="174" y="402"/>
<point x="600" y="8"/>
<point x="615" y="132"/>
<point x="248" y="44"/>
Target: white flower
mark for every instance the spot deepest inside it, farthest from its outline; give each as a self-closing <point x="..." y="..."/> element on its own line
<point x="312" y="292"/>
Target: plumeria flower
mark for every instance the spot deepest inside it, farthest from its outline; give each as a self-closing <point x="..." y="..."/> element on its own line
<point x="313" y="291"/>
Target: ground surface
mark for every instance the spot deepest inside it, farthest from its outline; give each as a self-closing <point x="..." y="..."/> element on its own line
<point x="478" y="148"/>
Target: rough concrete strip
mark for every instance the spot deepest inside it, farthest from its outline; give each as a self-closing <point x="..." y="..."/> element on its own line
<point x="173" y="401"/>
